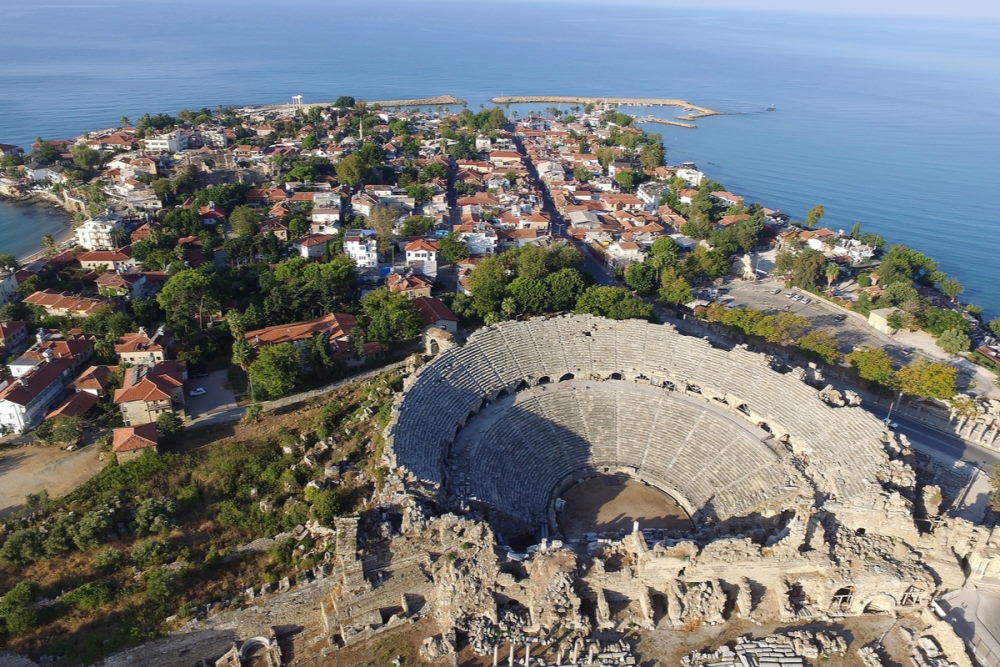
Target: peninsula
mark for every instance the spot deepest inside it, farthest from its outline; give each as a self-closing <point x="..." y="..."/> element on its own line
<point x="323" y="343"/>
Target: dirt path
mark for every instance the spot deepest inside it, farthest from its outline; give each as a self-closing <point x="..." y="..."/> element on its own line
<point x="32" y="468"/>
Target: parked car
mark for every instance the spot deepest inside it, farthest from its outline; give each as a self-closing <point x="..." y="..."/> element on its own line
<point x="806" y="300"/>
<point x="197" y="391"/>
<point x="840" y="317"/>
<point x="776" y="290"/>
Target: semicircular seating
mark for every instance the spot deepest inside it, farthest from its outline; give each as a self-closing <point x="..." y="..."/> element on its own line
<point x="598" y="404"/>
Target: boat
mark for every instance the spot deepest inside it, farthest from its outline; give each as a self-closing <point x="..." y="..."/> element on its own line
<point x="771" y="108"/>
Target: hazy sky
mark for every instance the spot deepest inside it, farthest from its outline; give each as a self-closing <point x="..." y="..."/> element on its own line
<point x="953" y="8"/>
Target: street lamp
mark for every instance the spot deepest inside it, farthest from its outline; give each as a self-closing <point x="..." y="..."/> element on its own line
<point x="888" y="417"/>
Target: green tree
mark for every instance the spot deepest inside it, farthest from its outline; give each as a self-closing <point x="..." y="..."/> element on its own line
<point x="417" y="225"/>
<point x="169" y="424"/>
<point x="326" y="505"/>
<point x="530" y="295"/>
<point x="352" y="170"/>
<point x="814" y="215"/>
<point x="22" y="547"/>
<point x="390" y="316"/>
<point x="674" y="287"/>
<point x="939" y="320"/>
<point x="616" y="303"/>
<point x="895" y="320"/>
<point x="928" y="379"/>
<point x="822" y="343"/>
<point x="872" y="364"/>
<point x="189" y="295"/>
<point x="994" y="326"/>
<point x="45" y="154"/>
<point x="150" y="551"/>
<point x="651" y="155"/>
<point x="663" y="252"/>
<point x="565" y="287"/>
<point x="832" y="273"/>
<point x="453" y="248"/>
<point x="420" y="193"/>
<point x="487" y="282"/>
<point x="245" y="221"/>
<point x="954" y="341"/>
<point x="49" y="244"/>
<point x="581" y="174"/>
<point x="85" y="157"/>
<point x="782" y="328"/>
<point x="641" y="276"/>
<point x="154" y="516"/>
<point x="276" y="371"/>
<point x="383" y="220"/>
<point x="808" y="268"/>
<point x="626" y="180"/>
<point x="952" y="288"/>
<point x="16" y="611"/>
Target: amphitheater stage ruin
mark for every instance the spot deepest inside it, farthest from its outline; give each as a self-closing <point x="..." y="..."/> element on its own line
<point x="613" y="503"/>
<point x="506" y="455"/>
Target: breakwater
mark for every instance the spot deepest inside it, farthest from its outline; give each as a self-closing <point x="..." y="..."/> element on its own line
<point x="695" y="110"/>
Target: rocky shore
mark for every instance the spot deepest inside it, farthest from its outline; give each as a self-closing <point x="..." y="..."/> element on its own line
<point x="440" y="100"/>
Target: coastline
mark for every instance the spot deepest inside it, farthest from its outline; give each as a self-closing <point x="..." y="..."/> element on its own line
<point x="439" y="100"/>
<point x="40" y="199"/>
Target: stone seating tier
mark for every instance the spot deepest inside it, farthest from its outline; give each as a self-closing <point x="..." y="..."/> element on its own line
<point x="699" y="440"/>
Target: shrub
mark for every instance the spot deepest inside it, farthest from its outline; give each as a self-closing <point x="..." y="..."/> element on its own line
<point x="154" y="516"/>
<point x="88" y="596"/>
<point x="109" y="558"/>
<point x="151" y="551"/>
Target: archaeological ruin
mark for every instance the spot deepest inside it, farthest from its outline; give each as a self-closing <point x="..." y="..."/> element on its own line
<point x="789" y="500"/>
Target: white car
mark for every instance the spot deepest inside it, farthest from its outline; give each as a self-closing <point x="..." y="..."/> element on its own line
<point x="197" y="391"/>
<point x="776" y="290"/>
<point x="806" y="300"/>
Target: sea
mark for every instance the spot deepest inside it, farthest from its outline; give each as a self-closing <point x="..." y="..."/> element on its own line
<point x="891" y="122"/>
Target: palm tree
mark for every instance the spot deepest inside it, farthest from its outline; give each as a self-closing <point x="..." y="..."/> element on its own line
<point x="832" y="272"/>
<point x="124" y="121"/>
<point x="49" y="244"/>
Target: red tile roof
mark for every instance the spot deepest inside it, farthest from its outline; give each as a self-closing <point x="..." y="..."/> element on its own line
<point x="422" y="244"/>
<point x="27" y="388"/>
<point x="77" y="306"/>
<point x="156" y="384"/>
<point x="336" y="325"/>
<point x="77" y="405"/>
<point x="132" y="438"/>
<point x="433" y="310"/>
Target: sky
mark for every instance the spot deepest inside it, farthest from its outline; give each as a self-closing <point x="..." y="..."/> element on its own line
<point x="951" y="9"/>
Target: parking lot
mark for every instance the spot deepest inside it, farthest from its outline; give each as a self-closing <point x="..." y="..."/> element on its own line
<point x="851" y="329"/>
<point x="217" y="400"/>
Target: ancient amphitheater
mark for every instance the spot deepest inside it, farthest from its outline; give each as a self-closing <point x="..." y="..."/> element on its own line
<point x="802" y="505"/>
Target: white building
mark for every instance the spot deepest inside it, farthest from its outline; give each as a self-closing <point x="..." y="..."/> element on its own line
<point x="169" y="142"/>
<point x="98" y="232"/>
<point x="24" y="401"/>
<point x="690" y="174"/>
<point x="423" y="255"/>
<point x="362" y="247"/>
<point x="480" y="238"/>
<point x="8" y="284"/>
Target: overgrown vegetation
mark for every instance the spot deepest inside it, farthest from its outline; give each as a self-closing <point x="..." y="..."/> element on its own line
<point x="180" y="519"/>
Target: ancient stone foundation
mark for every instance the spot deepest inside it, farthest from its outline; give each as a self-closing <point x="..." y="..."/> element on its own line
<point x="803" y="506"/>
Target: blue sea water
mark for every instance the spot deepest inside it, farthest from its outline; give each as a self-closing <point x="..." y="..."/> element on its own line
<point x="890" y="122"/>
